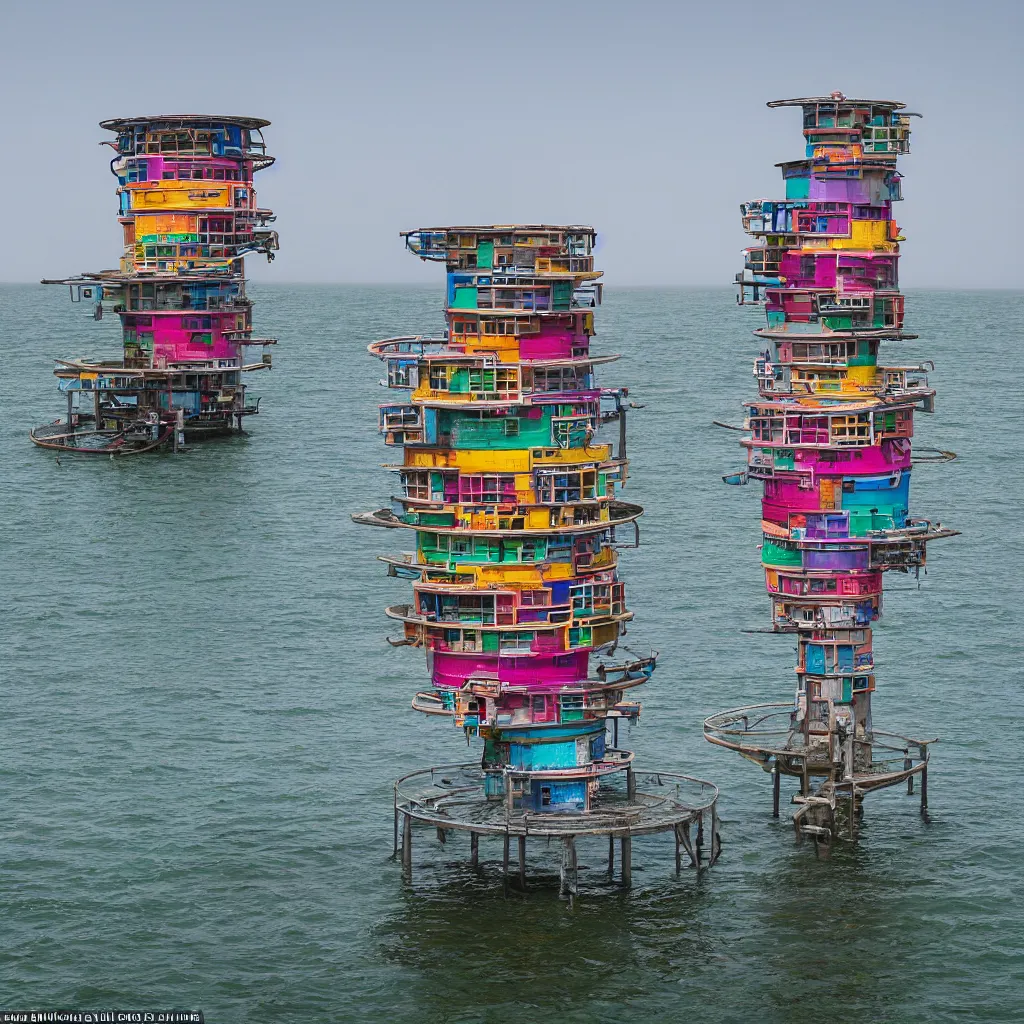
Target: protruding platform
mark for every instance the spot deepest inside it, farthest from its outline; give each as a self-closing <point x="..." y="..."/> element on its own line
<point x="453" y="798"/>
<point x="848" y="766"/>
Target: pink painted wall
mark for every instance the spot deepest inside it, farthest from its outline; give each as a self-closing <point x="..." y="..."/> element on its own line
<point x="156" y="165"/>
<point x="787" y="496"/>
<point x="553" y="342"/>
<point x="539" y="673"/>
<point x="173" y="341"/>
<point x="873" y="459"/>
<point x="825" y="272"/>
<point x="848" y="583"/>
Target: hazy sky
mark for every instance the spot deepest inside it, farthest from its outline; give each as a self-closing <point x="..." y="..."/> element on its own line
<point x="645" y="119"/>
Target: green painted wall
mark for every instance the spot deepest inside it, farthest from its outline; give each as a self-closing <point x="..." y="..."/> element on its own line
<point x="864" y="356"/>
<point x="773" y="554"/>
<point x="506" y="434"/>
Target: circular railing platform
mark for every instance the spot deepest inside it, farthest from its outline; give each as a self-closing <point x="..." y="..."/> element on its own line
<point x="766" y="734"/>
<point x="453" y="798"/>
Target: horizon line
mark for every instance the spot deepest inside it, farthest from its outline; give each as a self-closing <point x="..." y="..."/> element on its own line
<point x="273" y="283"/>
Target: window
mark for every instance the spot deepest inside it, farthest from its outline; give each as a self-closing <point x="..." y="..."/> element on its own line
<point x="417" y="484"/>
<point x="580" y="636"/>
<point x="571" y="707"/>
<point x="511" y="326"/>
<point x="516" y="643"/>
<point x="532" y="550"/>
<point x="558" y="550"/>
<point x="485" y="549"/>
<point x="487" y="488"/>
<point x="560" y="378"/>
<point x="498" y="382"/>
<point x="572" y="431"/>
<point x="582" y="600"/>
<point x="849" y="429"/>
<point x="555" y="487"/>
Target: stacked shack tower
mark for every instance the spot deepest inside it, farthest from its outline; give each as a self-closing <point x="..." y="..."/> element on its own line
<point x="188" y="209"/>
<point x="511" y="497"/>
<point x="830" y="438"/>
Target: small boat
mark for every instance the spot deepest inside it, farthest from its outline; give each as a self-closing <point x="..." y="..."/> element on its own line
<point x="736" y="478"/>
<point x="58" y="436"/>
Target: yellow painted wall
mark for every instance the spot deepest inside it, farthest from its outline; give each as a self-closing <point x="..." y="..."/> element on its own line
<point x="862" y="376"/>
<point x="853" y="379"/>
<point x="529" y="576"/>
<point x="865" y="234"/>
<point x="166" y="224"/>
<point x="514" y="461"/>
<point x="181" y="195"/>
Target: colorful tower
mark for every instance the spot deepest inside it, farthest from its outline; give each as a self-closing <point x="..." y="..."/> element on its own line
<point x="830" y="438"/>
<point x="188" y="209"/>
<point x="510" y="494"/>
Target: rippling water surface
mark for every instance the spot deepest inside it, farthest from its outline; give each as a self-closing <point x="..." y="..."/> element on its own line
<point x="201" y="719"/>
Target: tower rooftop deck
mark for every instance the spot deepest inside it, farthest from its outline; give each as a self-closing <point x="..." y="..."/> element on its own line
<point x="838" y="98"/>
<point x="117" y="123"/>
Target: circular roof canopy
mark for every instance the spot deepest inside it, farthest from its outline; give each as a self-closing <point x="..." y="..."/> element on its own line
<point x="836" y="98"/>
<point x="192" y="120"/>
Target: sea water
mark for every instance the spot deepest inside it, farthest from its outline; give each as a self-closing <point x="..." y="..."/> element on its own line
<point x="201" y="719"/>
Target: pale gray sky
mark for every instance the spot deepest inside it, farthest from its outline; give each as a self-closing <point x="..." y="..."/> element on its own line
<point x="645" y="119"/>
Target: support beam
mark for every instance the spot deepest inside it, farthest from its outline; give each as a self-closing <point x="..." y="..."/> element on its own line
<point x="683" y="830"/>
<point x="611" y="857"/>
<point x="627" y="861"/>
<point x="568" y="877"/>
<point x="716" y="835"/>
<point x="924" y="791"/>
<point x="630" y="783"/>
<point x="776" y="780"/>
<point x="907" y="765"/>
<point x="407" y="846"/>
<point x="504" y="863"/>
<point x="522" y="863"/>
<point x="474" y="849"/>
